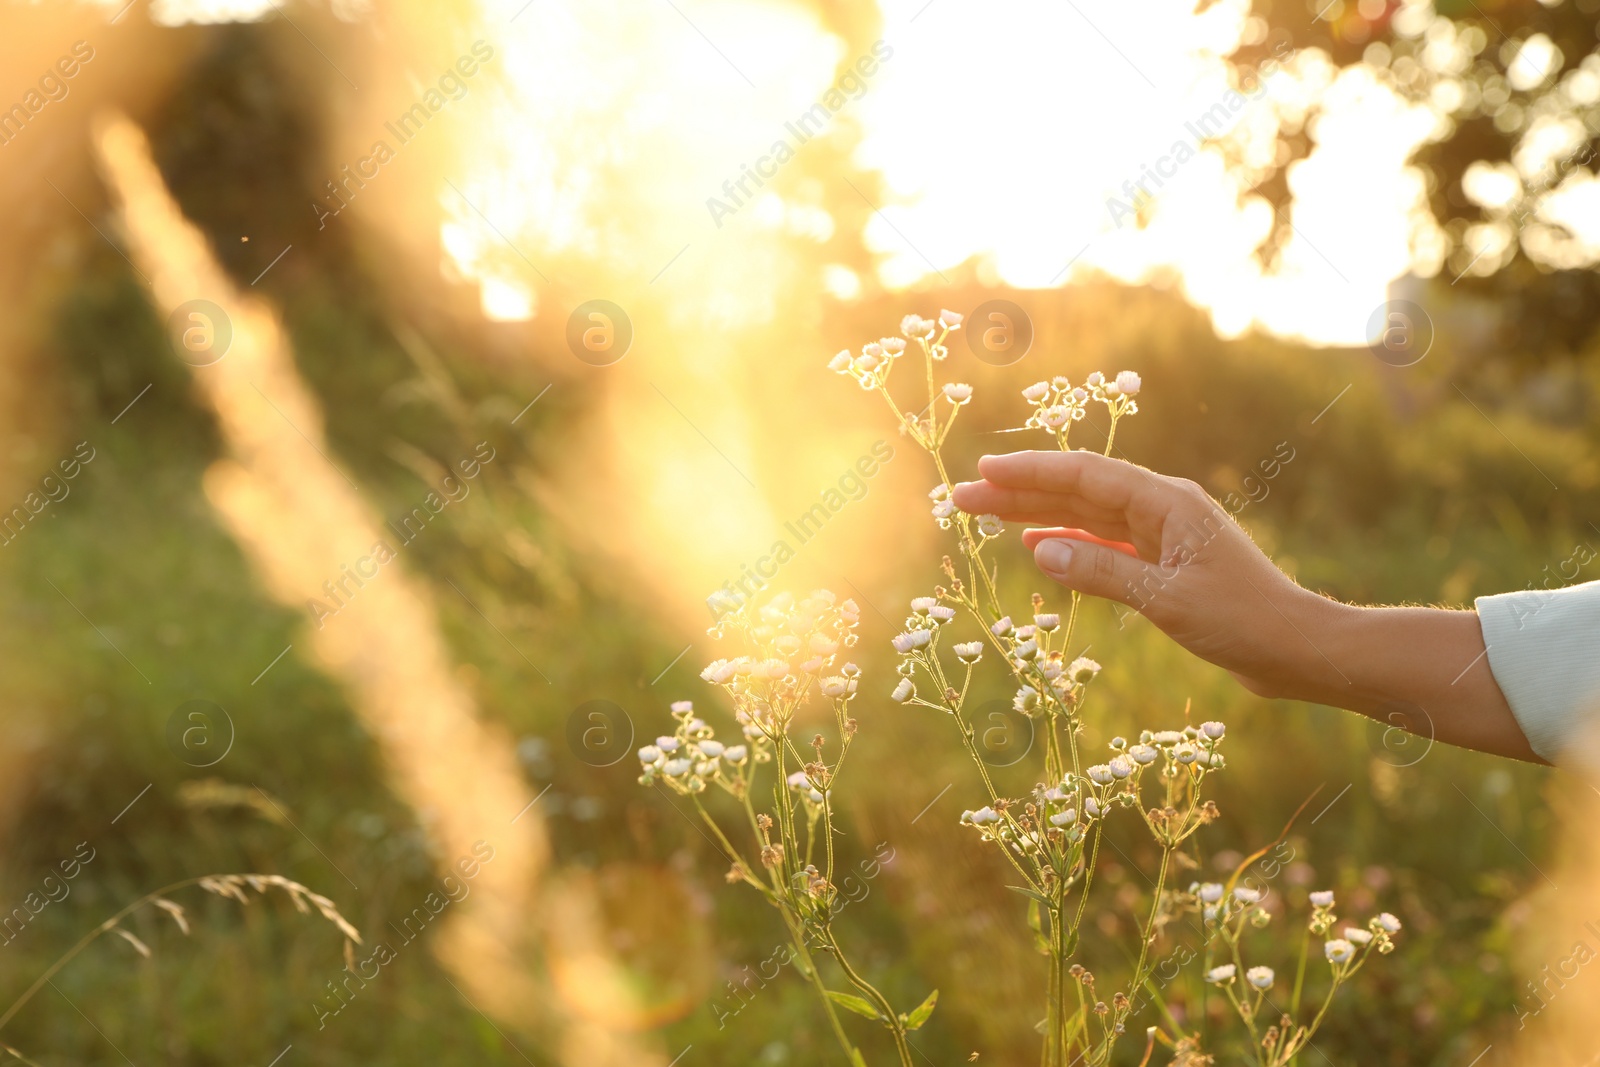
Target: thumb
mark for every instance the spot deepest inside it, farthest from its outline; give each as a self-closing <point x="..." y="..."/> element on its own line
<point x="1093" y="568"/>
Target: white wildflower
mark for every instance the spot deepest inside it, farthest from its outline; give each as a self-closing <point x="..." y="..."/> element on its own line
<point x="711" y="749"/>
<point x="957" y="392"/>
<point x="1213" y="730"/>
<point x="1358" y="935"/>
<point x="1101" y="774"/>
<point x="1339" y="950"/>
<point x="1389" y="923"/>
<point x="1245" y="895"/>
<point x="968" y="651"/>
<point x="1221" y="975"/>
<point x="676" y="768"/>
<point x="1128" y="383"/>
<point x="1260" y="977"/>
<point x="735" y="754"/>
<point x="950" y="320"/>
<point x="1322" y="898"/>
<point x="1036" y="392"/>
<point x="990" y="525"/>
<point x="1210" y="892"/>
<point x="1082" y="670"/>
<point x="903" y="692"/>
<point x="649" y="755"/>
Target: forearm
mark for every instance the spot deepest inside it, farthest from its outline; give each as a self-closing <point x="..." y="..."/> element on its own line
<point x="1422" y="669"/>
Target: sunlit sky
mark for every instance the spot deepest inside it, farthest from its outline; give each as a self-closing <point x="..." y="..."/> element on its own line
<point x="1001" y="132"/>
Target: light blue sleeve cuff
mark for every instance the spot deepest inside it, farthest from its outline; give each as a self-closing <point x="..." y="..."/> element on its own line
<point x="1544" y="651"/>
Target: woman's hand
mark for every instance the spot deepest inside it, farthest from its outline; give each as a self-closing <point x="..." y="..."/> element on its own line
<point x="1165" y="549"/>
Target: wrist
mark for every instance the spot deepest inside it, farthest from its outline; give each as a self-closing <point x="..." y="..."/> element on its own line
<point x="1321" y="645"/>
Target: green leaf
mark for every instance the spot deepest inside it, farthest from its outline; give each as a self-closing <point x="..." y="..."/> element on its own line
<point x="1030" y="894"/>
<point x="915" y="1020"/>
<point x="1041" y="944"/>
<point x="1035" y="922"/>
<point x="1072" y="944"/>
<point x="854" y="1003"/>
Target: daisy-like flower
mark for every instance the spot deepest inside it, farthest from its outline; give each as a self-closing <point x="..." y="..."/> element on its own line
<point x="649" y="755"/>
<point x="1092" y="808"/>
<point x="921" y="605"/>
<point x="1209" y="892"/>
<point x="1143" y="754"/>
<point x="957" y="392"/>
<point x="893" y="346"/>
<point x="1122" y="766"/>
<point x="840" y="364"/>
<point x="1055" y="417"/>
<point x="910" y="641"/>
<point x="1388" y="922"/>
<point x="950" y="320"/>
<point x="1322" y="898"/>
<point x="823" y="645"/>
<point x="968" y="651"/>
<point x="903" y="691"/>
<point x="719" y="672"/>
<point x="1001" y="628"/>
<point x="939" y="492"/>
<point x="911" y="326"/>
<point x="675" y="768"/>
<point x="1082" y="670"/>
<point x="1035" y="392"/>
<point x="873" y="349"/>
<point x="667" y="744"/>
<point x="1063" y="818"/>
<point x="838" y="687"/>
<point x="984" y="816"/>
<point x="1027" y="650"/>
<point x="1338" y="950"/>
<point x="1048" y="623"/>
<point x="1185" y="753"/>
<point x="944" y="509"/>
<point x="1245" y="895"/>
<point x="941" y="613"/>
<point x="1260" y="977"/>
<point x="990" y="526"/>
<point x="1358" y="935"/>
<point x="682" y="707"/>
<point x="1213" y="730"/>
<point x="1129" y="383"/>
<point x="711" y="749"/>
<point x="735" y="754"/>
<point x="1095" y="380"/>
<point x="1221" y="975"/>
<point x="1101" y="774"/>
<point x="1026" y="700"/>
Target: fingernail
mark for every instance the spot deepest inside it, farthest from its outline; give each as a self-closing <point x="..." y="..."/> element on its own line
<point x="1053" y="556"/>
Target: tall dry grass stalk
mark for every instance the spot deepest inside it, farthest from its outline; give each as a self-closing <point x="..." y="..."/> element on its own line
<point x="298" y="518"/>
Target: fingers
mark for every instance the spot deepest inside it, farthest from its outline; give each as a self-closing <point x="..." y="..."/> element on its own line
<point x="980" y="498"/>
<point x="1093" y="568"/>
<point x="1032" y="538"/>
